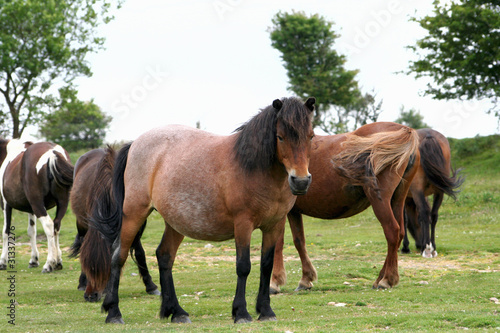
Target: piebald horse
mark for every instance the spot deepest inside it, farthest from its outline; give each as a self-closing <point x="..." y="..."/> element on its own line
<point x="374" y="165"/>
<point x="96" y="167"/>
<point x="35" y="178"/>
<point x="208" y="187"/>
<point x="436" y="177"/>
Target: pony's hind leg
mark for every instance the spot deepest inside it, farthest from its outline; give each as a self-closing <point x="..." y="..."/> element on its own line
<point x="278" y="278"/>
<point x="438" y="200"/>
<point x="48" y="227"/>
<point x="139" y="257"/>
<point x="309" y="274"/>
<point x="166" y="253"/>
<point x="32" y="235"/>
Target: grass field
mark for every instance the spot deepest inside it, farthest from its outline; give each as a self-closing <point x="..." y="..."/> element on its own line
<point x="447" y="293"/>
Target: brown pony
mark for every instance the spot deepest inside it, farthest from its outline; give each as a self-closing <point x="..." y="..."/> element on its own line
<point x="373" y="165"/>
<point x="33" y="179"/>
<point x="96" y="167"/>
<point x="208" y="187"/>
<point x="436" y="177"/>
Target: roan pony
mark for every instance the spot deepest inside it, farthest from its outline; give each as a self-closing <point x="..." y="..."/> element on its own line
<point x="33" y="179"/>
<point x="96" y="166"/>
<point x="373" y="165"/>
<point x="435" y="176"/>
<point x="208" y="187"/>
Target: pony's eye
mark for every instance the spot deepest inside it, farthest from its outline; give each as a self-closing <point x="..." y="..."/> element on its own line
<point x="280" y="138"/>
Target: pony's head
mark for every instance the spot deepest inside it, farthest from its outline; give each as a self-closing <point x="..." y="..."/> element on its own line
<point x="294" y="135"/>
<point x="280" y="133"/>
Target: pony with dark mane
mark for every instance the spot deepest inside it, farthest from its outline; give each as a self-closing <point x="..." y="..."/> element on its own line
<point x="34" y="178"/>
<point x="207" y="187"/>
<point x="96" y="167"/>
<point x="373" y="165"/>
<point x="436" y="177"/>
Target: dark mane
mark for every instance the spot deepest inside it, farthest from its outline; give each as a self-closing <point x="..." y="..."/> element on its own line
<point x="255" y="147"/>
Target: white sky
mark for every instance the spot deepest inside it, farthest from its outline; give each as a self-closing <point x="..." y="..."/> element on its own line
<point x="212" y="61"/>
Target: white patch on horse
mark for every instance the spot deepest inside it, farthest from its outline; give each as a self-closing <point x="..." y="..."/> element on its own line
<point x="14" y="148"/>
<point x="49" y="156"/>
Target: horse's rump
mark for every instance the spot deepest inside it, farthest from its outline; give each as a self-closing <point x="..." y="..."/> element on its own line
<point x="363" y="158"/>
<point x="437" y="169"/>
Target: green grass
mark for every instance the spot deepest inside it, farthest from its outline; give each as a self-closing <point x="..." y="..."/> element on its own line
<point x="447" y="293"/>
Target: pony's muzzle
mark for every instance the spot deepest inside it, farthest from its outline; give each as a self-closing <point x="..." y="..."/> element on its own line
<point x="299" y="185"/>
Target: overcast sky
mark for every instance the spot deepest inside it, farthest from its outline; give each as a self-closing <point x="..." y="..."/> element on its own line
<point x="211" y="61"/>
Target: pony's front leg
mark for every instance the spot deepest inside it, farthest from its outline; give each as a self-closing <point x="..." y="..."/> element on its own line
<point x="166" y="256"/>
<point x="269" y="238"/>
<point x="243" y="234"/>
<point x="5" y="236"/>
<point x="32" y="235"/>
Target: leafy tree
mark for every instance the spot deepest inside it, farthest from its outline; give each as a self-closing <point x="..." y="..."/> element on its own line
<point x="411" y="118"/>
<point x="461" y="52"/>
<point x="75" y="124"/>
<point x="314" y="68"/>
<point x="43" y="44"/>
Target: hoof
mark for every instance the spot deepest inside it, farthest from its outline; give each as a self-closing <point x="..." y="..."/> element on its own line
<point x="243" y="320"/>
<point x="95" y="297"/>
<point x="59" y="266"/>
<point x="115" y="320"/>
<point x="183" y="319"/>
<point x="154" y="292"/>
<point x="274" y="291"/>
<point x="33" y="265"/>
<point x="47" y="270"/>
<point x="302" y="287"/>
<point x="3" y="267"/>
<point x="405" y="251"/>
<point x="272" y="318"/>
<point x="82" y="288"/>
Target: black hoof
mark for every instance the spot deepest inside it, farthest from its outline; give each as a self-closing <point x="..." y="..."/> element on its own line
<point x="92" y="298"/>
<point x="115" y="320"/>
<point x="243" y="320"/>
<point x="3" y="267"/>
<point x="271" y="318"/>
<point x="154" y="292"/>
<point x="405" y="251"/>
<point x="183" y="319"/>
<point x="59" y="266"/>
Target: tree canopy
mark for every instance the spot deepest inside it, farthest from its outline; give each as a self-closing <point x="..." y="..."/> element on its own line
<point x="314" y="68"/>
<point x="461" y="52"/>
<point x="43" y="45"/>
<point x="411" y="118"/>
<point x="75" y="124"/>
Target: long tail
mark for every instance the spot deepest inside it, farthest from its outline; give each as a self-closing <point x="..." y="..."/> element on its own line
<point x="61" y="169"/>
<point x="105" y="222"/>
<point x="363" y="158"/>
<point x="434" y="165"/>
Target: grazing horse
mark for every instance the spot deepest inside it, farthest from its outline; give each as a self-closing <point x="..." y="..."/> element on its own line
<point x="373" y="165"/>
<point x="208" y="187"/>
<point x="95" y="168"/>
<point x="436" y="177"/>
<point x="33" y="179"/>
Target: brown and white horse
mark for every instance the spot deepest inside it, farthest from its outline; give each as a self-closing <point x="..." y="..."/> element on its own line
<point x="208" y="187"/>
<point x="436" y="177"/>
<point x="95" y="168"/>
<point x="33" y="179"/>
<point x="373" y="165"/>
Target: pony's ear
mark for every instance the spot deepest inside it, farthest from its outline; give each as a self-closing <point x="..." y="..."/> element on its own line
<point x="310" y="103"/>
<point x="277" y="104"/>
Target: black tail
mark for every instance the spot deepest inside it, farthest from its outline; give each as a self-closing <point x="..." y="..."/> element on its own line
<point x="105" y="223"/>
<point x="61" y="169"/>
<point x="75" y="248"/>
<point x="434" y="166"/>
